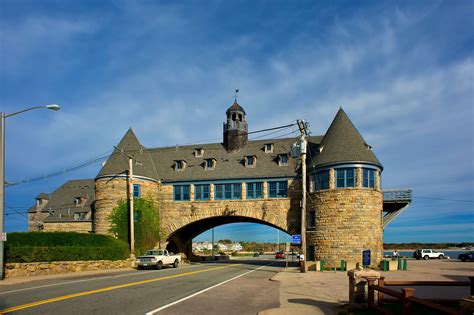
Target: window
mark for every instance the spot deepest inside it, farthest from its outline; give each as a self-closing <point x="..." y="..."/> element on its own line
<point x="201" y="192"/>
<point x="180" y="165"/>
<point x="368" y="178"/>
<point x="278" y="189"/>
<point x="77" y="201"/>
<point x="228" y="191"/>
<point x="250" y="161"/>
<point x="199" y="152"/>
<point x="136" y="191"/>
<point x="80" y="216"/>
<point x="254" y="190"/>
<point x="181" y="192"/>
<point x="268" y="148"/>
<point x="312" y="219"/>
<point x="209" y="164"/>
<point x="321" y="180"/>
<point x="344" y="177"/>
<point x="283" y="159"/>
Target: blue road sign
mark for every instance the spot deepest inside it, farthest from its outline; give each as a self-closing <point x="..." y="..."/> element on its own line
<point x="296" y="239"/>
<point x="366" y="257"/>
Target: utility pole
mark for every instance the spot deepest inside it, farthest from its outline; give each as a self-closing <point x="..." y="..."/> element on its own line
<point x="303" y="131"/>
<point x="212" y="248"/>
<point x="130" y="198"/>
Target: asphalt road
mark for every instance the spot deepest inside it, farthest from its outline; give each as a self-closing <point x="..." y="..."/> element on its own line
<point x="235" y="287"/>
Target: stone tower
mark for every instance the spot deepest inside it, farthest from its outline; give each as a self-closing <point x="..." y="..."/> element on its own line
<point x="236" y="128"/>
<point x="345" y="208"/>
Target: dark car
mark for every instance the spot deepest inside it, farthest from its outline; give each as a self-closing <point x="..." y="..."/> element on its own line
<point x="256" y="254"/>
<point x="469" y="256"/>
<point x="280" y="255"/>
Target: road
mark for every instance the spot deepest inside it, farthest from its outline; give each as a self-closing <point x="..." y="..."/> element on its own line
<point x="234" y="287"/>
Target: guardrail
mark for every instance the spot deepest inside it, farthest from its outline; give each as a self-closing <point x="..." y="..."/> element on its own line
<point x="407" y="297"/>
<point x="393" y="195"/>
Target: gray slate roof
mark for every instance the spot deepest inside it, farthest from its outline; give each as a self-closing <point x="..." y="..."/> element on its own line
<point x="62" y="200"/>
<point x="343" y="143"/>
<point x="234" y="107"/>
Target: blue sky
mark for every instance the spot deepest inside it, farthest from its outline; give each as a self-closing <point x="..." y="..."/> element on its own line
<point x="403" y="72"/>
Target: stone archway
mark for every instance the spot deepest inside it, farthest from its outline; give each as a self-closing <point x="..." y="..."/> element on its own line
<point x="181" y="239"/>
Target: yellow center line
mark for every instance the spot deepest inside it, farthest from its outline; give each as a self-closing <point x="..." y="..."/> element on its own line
<point x="120" y="286"/>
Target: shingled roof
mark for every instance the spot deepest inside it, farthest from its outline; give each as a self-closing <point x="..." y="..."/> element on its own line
<point x="118" y="162"/>
<point x="234" y="107"/>
<point x="159" y="162"/>
<point x="61" y="204"/>
<point x="342" y="143"/>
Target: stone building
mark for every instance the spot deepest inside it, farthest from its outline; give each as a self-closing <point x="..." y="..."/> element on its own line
<point x="200" y="186"/>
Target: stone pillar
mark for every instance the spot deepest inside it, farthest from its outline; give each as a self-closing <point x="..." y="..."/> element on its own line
<point x="311" y="183"/>
<point x="191" y="192"/>
<point x="358" y="288"/>
<point x="211" y="192"/>
<point x="332" y="179"/>
<point x="358" y="175"/>
<point x="244" y="191"/>
<point x="265" y="189"/>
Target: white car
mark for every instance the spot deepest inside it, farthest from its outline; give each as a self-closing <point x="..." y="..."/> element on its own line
<point x="157" y="258"/>
<point x="427" y="254"/>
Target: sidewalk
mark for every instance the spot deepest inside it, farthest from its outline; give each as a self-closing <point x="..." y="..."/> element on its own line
<point x="325" y="292"/>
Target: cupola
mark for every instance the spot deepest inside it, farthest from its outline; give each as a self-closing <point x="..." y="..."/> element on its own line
<point x="235" y="129"/>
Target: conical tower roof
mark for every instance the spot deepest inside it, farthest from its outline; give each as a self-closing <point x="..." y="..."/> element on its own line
<point x="129" y="146"/>
<point x="235" y="107"/>
<point x="342" y="143"/>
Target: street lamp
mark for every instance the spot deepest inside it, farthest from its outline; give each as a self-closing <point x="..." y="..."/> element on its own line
<point x="2" y="179"/>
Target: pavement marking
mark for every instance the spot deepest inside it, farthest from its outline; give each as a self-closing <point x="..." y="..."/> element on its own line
<point x="204" y="290"/>
<point x="120" y="286"/>
<point x="84" y="280"/>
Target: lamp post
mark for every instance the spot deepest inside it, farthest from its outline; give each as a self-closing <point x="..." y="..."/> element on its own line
<point x="2" y="179"/>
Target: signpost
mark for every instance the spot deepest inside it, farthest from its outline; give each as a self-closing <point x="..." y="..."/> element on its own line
<point x="366" y="258"/>
<point x="296" y="239"/>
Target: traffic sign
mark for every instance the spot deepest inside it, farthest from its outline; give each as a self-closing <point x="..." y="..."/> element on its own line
<point x="296" y="239"/>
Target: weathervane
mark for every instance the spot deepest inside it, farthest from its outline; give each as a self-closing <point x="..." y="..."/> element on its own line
<point x="235" y="95"/>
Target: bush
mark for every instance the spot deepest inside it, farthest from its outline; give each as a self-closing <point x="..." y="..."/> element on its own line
<point x="147" y="225"/>
<point x="63" y="246"/>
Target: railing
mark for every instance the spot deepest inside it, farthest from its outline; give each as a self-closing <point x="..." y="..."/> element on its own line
<point x="394" y="195"/>
<point x="407" y="297"/>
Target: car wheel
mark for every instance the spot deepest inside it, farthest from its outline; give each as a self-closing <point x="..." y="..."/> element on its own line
<point x="440" y="256"/>
<point x="417" y="258"/>
<point x="139" y="267"/>
<point x="159" y="265"/>
<point x="175" y="264"/>
<point x="463" y="259"/>
<point x="426" y="257"/>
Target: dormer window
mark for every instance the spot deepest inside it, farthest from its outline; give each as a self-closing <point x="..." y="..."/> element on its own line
<point x="77" y="201"/>
<point x="250" y="161"/>
<point x="209" y="164"/>
<point x="39" y="202"/>
<point x="199" y="152"/>
<point x="283" y="159"/>
<point x="268" y="148"/>
<point x="179" y="165"/>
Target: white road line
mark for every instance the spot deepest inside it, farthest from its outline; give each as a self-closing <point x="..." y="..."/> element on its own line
<point x="84" y="280"/>
<point x="204" y="290"/>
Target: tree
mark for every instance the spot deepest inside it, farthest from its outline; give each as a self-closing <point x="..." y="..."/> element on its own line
<point x="147" y="225"/>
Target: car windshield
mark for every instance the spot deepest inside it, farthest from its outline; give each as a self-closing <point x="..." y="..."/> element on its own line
<point x="154" y="252"/>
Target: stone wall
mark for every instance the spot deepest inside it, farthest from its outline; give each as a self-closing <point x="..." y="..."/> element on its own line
<point x="109" y="191"/>
<point x="348" y="221"/>
<point x="48" y="268"/>
<point x="73" y="226"/>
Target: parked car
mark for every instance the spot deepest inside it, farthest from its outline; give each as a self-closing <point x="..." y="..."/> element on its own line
<point x="157" y="258"/>
<point x="469" y="256"/>
<point x="280" y="255"/>
<point x="427" y="254"/>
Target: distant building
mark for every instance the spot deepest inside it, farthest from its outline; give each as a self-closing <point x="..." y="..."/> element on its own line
<point x="200" y="186"/>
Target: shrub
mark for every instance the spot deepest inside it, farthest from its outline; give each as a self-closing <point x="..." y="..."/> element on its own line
<point x="63" y="246"/>
<point x="147" y="226"/>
